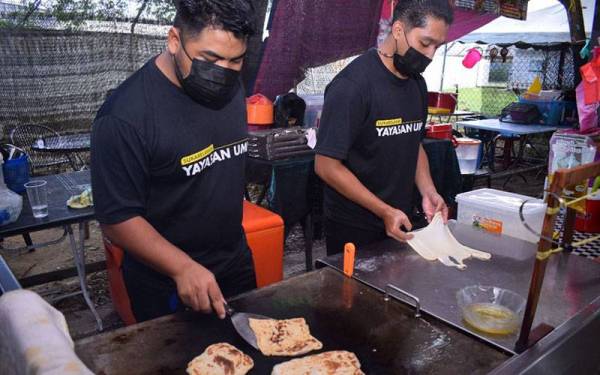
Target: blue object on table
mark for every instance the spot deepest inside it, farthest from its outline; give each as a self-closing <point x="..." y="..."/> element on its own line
<point x="16" y="173"/>
<point x="551" y="110"/>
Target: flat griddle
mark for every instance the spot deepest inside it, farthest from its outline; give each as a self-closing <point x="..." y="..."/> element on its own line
<point x="341" y="312"/>
<point x="571" y="283"/>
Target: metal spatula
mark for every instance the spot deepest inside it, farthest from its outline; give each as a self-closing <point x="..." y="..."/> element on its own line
<point x="242" y="325"/>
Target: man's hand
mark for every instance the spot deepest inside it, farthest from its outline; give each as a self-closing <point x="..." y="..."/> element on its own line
<point x="432" y="203"/>
<point x="198" y="289"/>
<point x="393" y="219"/>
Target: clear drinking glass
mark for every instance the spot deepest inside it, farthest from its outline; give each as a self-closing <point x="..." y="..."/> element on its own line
<point x="37" y="192"/>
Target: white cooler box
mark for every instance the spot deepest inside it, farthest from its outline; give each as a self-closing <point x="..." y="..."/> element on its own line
<point x="497" y="211"/>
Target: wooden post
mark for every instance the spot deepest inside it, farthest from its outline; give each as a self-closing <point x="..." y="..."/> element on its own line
<point x="561" y="179"/>
<point x="575" y="16"/>
<point x="577" y="30"/>
<point x="596" y="27"/>
<point x="539" y="269"/>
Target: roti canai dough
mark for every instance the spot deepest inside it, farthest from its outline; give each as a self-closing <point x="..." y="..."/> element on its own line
<point x="337" y="362"/>
<point x="287" y="337"/>
<point x="220" y="359"/>
<point x="435" y="241"/>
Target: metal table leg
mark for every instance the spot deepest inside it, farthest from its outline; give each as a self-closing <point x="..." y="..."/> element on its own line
<point x="79" y="258"/>
<point x="308" y="241"/>
<point x="8" y="281"/>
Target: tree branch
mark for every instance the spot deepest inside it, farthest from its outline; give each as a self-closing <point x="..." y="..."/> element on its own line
<point x="139" y="14"/>
<point x="31" y="10"/>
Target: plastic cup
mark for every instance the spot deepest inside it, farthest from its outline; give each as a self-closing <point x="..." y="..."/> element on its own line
<point x="37" y="192"/>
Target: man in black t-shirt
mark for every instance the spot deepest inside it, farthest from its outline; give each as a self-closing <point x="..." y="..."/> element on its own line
<point x="369" y="149"/>
<point x="168" y="157"/>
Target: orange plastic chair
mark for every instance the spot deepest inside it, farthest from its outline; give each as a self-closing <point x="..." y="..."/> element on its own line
<point x="264" y="232"/>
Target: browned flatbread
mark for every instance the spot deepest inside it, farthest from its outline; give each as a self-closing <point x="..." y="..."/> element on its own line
<point x="337" y="362"/>
<point x="287" y="337"/>
<point x="220" y="359"/>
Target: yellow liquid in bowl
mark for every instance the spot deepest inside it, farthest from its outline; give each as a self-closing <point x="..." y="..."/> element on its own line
<point x="491" y="318"/>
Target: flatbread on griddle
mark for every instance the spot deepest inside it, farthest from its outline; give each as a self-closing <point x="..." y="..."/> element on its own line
<point x="289" y="337"/>
<point x="220" y="359"/>
<point x="337" y="362"/>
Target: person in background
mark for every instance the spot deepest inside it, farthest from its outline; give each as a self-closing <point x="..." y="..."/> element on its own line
<point x="369" y="150"/>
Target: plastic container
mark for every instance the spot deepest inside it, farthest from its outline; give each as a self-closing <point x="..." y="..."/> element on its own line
<point x="314" y="108"/>
<point x="11" y="203"/>
<point x="439" y="131"/>
<point x="497" y="211"/>
<point x="16" y="173"/>
<point x="467" y="152"/>
<point x="552" y="110"/>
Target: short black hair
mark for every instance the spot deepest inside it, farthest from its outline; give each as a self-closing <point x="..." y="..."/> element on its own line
<point x="235" y="16"/>
<point x="414" y="12"/>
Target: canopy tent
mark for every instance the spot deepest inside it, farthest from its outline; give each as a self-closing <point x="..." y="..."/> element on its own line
<point x="546" y="23"/>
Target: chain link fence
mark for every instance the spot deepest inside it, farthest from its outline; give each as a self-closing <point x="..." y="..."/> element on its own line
<point x="488" y="87"/>
<point x="59" y="79"/>
<point x="498" y="81"/>
<point x="58" y="64"/>
<point x="502" y="75"/>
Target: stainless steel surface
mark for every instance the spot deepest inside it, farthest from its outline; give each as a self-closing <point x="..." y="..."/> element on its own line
<point x="241" y="323"/>
<point x="571" y="283"/>
<point x="417" y="304"/>
<point x="571" y="348"/>
<point x="342" y="313"/>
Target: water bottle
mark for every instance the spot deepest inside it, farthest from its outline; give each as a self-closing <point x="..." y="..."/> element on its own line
<point x="11" y="203"/>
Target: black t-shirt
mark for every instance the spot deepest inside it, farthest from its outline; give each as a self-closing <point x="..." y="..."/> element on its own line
<point x="180" y="165"/>
<point x="373" y="122"/>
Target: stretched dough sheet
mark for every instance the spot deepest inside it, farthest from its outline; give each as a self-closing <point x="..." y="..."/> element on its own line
<point x="436" y="242"/>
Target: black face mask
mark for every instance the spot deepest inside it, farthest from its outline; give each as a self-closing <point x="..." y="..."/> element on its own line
<point x="208" y="83"/>
<point x="412" y="63"/>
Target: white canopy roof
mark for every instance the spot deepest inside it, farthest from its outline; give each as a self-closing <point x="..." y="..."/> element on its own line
<point x="546" y="23"/>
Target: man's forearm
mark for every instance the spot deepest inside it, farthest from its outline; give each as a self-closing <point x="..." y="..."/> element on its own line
<point x="423" y="175"/>
<point x="340" y="178"/>
<point x="147" y="245"/>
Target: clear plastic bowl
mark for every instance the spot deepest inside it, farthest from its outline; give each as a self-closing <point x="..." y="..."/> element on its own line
<point x="491" y="309"/>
